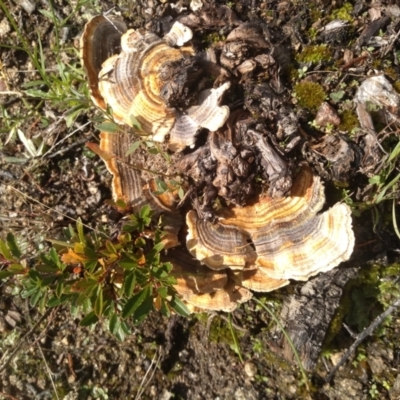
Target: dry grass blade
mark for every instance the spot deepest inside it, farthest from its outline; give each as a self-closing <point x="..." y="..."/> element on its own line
<point x="144" y="383"/>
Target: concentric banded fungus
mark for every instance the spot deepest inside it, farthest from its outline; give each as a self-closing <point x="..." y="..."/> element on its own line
<point x="218" y="246"/>
<point x="147" y="82"/>
<point x="127" y="183"/>
<point x="100" y="40"/>
<point x="202" y="287"/>
<point x="292" y="241"/>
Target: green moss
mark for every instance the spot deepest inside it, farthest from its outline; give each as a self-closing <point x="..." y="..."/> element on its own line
<point x="396" y="86"/>
<point x="343" y="13"/>
<point x="349" y="121"/>
<point x="214" y="38"/>
<point x="309" y="94"/>
<point x="314" y="54"/>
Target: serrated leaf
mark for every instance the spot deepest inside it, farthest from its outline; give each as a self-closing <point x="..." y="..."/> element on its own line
<point x="90" y="319"/>
<point x="179" y="307"/>
<point x="13" y="246"/>
<point x="134" y="302"/>
<point x="129" y="283"/>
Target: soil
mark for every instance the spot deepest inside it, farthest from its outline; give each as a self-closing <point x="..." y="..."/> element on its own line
<point x="49" y="355"/>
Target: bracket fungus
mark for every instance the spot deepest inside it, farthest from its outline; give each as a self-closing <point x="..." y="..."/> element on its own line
<point x="259" y="247"/>
<point x="147" y="80"/>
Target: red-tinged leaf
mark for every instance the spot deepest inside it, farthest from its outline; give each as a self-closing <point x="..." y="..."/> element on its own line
<point x="101" y="153"/>
<point x="16" y="268"/>
<point x="83" y="285"/>
<point x="73" y="258"/>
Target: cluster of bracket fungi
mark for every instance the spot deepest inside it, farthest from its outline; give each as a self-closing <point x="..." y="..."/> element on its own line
<point x="256" y="239"/>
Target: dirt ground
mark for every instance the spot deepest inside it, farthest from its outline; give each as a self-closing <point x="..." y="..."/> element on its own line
<point x="50" y="356"/>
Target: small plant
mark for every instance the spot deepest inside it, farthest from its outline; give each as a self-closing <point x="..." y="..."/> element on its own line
<point x="110" y="279"/>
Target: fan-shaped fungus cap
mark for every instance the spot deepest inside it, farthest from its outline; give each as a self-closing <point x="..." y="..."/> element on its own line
<point x="292" y="241"/>
<point x="218" y="246"/>
<point x="100" y="40"/>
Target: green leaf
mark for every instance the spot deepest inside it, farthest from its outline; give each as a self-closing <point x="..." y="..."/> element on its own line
<point x="5" y="251"/>
<point x="55" y="301"/>
<point x="164" y="309"/>
<point x="179" y="307"/>
<point x="110" y="127"/>
<point x="127" y="263"/>
<point x="163" y="292"/>
<point x="337" y="96"/>
<point x="12" y="245"/>
<point x="133" y="147"/>
<point x="115" y="324"/>
<point x="90" y="319"/>
<point x="35" y="297"/>
<point x="79" y="228"/>
<point x="129" y="283"/>
<point x="158" y="247"/>
<point x="134" y="302"/>
<point x="5" y="274"/>
<point x="16" y="268"/>
<point x="143" y="310"/>
<point x="145" y="211"/>
<point x="135" y="123"/>
<point x="99" y="303"/>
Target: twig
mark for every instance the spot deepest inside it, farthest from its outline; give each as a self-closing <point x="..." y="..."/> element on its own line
<point x="22" y="341"/>
<point x="366" y="332"/>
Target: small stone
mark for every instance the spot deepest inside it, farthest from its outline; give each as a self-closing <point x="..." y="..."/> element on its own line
<point x="250" y="369"/>
<point x="327" y="115"/>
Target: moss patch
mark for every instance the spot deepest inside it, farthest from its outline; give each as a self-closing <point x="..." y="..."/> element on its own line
<point x="343" y="13"/>
<point x="314" y="54"/>
<point x="349" y="121"/>
<point x="310" y="95"/>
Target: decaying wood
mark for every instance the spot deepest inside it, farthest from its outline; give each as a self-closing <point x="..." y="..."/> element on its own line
<point x="307" y="313"/>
